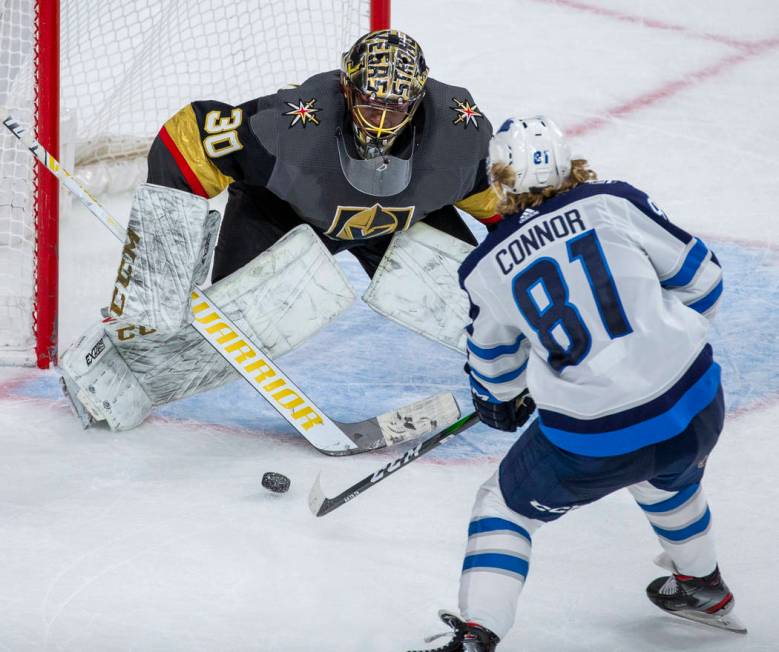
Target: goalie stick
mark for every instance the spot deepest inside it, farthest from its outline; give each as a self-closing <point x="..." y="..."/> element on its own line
<point x="321" y="505"/>
<point x="265" y="377"/>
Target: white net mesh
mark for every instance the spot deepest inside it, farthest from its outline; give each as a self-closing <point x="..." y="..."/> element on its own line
<point x="17" y="241"/>
<point x="126" y="66"/>
<point x="156" y="56"/>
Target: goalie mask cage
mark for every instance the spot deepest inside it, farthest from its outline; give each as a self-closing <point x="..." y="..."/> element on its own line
<point x="107" y="75"/>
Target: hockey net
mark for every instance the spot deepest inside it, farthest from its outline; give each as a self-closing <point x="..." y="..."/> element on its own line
<point x="125" y="67"/>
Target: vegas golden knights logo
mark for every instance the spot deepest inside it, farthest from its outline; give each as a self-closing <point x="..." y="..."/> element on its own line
<point x="360" y="223"/>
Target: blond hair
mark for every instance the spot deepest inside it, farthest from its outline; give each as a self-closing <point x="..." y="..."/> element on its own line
<point x="503" y="176"/>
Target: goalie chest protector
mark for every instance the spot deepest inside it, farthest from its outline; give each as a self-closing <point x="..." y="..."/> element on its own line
<point x="298" y="126"/>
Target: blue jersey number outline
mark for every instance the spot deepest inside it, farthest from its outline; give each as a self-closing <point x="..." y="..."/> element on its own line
<point x="559" y="311"/>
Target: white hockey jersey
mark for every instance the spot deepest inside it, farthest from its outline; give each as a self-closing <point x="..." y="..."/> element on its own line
<point x="598" y="305"/>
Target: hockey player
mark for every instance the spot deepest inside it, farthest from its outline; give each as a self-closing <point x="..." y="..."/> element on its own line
<point x="344" y="161"/>
<point x="358" y="153"/>
<point x="587" y="298"/>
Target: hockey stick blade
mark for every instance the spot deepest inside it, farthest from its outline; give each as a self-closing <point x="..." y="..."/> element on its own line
<point x="403" y="424"/>
<point x="321" y="505"/>
<point x="253" y="364"/>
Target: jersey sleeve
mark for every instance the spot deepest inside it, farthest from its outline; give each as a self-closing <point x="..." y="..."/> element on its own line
<point x="206" y="146"/>
<point x="685" y="266"/>
<point x="497" y="353"/>
<point x="482" y="201"/>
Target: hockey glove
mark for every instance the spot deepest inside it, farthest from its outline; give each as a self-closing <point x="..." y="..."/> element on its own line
<point x="504" y="415"/>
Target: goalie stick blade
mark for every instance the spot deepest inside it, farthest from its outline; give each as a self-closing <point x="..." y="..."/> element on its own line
<point x="321" y="504"/>
<point x="402" y="424"/>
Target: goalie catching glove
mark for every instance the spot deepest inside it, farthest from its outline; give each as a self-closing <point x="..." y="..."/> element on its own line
<point x="502" y="415"/>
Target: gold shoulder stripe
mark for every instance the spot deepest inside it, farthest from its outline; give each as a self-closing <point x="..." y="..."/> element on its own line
<point x="481" y="205"/>
<point x="184" y="132"/>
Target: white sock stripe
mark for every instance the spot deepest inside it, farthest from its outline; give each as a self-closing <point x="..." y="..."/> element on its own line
<point x="684" y="542"/>
<point x="680" y="518"/>
<point x="517" y="577"/>
<point x="499" y="539"/>
<point x="698" y="494"/>
<point x="648" y="494"/>
<point x="500" y="551"/>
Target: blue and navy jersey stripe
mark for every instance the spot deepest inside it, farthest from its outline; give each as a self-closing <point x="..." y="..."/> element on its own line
<point x="506" y="377"/>
<point x="494" y="352"/>
<point x="482" y="391"/>
<point x="708" y="300"/>
<point x="657" y="420"/>
<point x="692" y="263"/>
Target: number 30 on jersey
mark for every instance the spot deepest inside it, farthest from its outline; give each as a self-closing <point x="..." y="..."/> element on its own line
<point x="223" y="135"/>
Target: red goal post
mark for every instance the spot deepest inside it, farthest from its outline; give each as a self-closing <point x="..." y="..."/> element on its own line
<point x="106" y="75"/>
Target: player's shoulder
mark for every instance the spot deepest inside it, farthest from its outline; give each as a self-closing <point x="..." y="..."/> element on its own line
<point x="316" y="93"/>
<point x="455" y="114"/>
<point x="609" y="188"/>
<point x="590" y="190"/>
<point x="637" y="198"/>
<point x="605" y="187"/>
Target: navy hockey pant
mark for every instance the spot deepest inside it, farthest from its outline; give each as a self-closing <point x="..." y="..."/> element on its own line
<point x="538" y="482"/>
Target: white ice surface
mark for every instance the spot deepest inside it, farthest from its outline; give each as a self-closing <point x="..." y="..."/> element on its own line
<point x="162" y="538"/>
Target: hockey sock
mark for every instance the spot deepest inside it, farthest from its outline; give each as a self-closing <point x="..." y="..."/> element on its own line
<point x="496" y="560"/>
<point x="682" y="522"/>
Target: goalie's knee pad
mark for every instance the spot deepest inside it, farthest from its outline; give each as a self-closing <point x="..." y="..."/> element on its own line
<point x="167" y="251"/>
<point x="416" y="285"/>
<point x="100" y="382"/>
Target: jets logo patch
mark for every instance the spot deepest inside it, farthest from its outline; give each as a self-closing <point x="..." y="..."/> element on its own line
<point x="360" y="223"/>
<point x="466" y="113"/>
<point x="303" y="113"/>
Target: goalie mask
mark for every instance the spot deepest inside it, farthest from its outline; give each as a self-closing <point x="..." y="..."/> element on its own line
<point x="383" y="79"/>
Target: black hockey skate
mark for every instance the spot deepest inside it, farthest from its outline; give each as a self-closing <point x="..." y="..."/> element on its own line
<point x="466" y="637"/>
<point x="705" y="600"/>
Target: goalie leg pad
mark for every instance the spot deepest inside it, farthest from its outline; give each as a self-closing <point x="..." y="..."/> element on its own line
<point x="416" y="285"/>
<point x="104" y="384"/>
<point x="279" y="300"/>
<point x="168" y="249"/>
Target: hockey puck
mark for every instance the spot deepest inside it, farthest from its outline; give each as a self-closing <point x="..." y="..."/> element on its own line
<point x="278" y="483"/>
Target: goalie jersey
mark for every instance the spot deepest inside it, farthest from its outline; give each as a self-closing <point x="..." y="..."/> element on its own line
<point x="286" y="143"/>
<point x="598" y="305"/>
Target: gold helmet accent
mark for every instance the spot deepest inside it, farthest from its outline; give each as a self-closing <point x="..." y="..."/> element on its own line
<point x="383" y="77"/>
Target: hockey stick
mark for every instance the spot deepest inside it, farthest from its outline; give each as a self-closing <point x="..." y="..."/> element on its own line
<point x="321" y="505"/>
<point x="257" y="368"/>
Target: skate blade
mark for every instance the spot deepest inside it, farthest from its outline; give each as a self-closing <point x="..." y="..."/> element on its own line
<point x="727" y="622"/>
